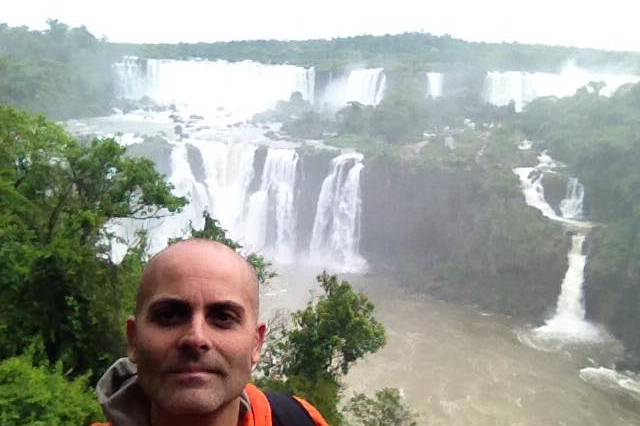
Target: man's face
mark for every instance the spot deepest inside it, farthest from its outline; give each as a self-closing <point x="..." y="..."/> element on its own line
<point x="195" y="338"/>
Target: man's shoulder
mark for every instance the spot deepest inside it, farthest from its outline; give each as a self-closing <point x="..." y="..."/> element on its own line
<point x="282" y="410"/>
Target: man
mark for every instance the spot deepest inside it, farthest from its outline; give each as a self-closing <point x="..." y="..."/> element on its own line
<point x="192" y="345"/>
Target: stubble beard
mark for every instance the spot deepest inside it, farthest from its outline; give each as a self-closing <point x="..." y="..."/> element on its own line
<point x="174" y="396"/>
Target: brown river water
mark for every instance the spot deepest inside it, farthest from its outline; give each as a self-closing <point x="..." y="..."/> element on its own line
<point x="458" y="366"/>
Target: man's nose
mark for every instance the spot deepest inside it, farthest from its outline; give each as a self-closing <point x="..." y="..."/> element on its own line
<point x="195" y="337"/>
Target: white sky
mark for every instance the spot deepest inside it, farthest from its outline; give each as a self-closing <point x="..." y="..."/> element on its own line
<point x="611" y="24"/>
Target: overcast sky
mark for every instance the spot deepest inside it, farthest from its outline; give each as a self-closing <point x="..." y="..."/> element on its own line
<point x="611" y="24"/>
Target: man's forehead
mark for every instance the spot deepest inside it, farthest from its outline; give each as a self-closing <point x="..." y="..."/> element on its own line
<point x="205" y="262"/>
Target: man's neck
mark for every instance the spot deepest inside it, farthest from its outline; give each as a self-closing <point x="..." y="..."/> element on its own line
<point x="227" y="415"/>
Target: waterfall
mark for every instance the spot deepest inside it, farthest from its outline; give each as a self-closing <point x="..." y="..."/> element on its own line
<point x="531" y="184"/>
<point x="571" y="205"/>
<point x="228" y="169"/>
<point x="213" y="159"/>
<point x="533" y="191"/>
<point x="216" y="177"/>
<point x="568" y="323"/>
<point x="171" y="225"/>
<point x="336" y="229"/>
<point x="131" y="73"/>
<point x="366" y="86"/>
<point x="275" y="198"/>
<point x="500" y="88"/>
<point x="435" y="84"/>
<point x="242" y="88"/>
<point x="185" y="184"/>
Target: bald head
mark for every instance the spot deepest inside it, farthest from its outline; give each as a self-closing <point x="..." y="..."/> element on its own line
<point x="196" y="335"/>
<point x="202" y="258"/>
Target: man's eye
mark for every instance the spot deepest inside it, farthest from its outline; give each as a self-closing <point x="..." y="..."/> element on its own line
<point x="168" y="317"/>
<point x="223" y="318"/>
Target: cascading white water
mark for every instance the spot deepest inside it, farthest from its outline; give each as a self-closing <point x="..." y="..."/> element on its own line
<point x="531" y="184"/>
<point x="204" y="87"/>
<point x="336" y="229"/>
<point x="533" y="190"/>
<point x="276" y="195"/>
<point x="131" y="73"/>
<point x="568" y="323"/>
<point x="170" y="225"/>
<point x="435" y="82"/>
<point x="210" y="99"/>
<point x="500" y="88"/>
<point x="228" y="171"/>
<point x="366" y="86"/>
<point x="185" y="184"/>
<point x="572" y="206"/>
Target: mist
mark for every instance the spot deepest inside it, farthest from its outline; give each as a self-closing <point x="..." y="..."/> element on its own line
<point x="482" y="195"/>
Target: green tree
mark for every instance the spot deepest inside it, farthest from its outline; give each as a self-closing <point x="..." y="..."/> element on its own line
<point x="386" y="408"/>
<point x="327" y="337"/>
<point x="39" y="396"/>
<point x="57" y="281"/>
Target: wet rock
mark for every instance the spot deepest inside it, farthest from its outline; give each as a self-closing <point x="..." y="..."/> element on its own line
<point x="176" y="118"/>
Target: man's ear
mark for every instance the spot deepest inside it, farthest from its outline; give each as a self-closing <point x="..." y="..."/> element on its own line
<point x="131" y="339"/>
<point x="261" y="331"/>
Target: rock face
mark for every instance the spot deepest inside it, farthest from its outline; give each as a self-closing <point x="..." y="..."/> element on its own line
<point x="312" y="170"/>
<point x="447" y="232"/>
<point x="612" y="296"/>
<point x="460" y="234"/>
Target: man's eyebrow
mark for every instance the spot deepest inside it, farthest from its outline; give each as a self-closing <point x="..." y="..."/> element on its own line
<point x="168" y="300"/>
<point x="227" y="304"/>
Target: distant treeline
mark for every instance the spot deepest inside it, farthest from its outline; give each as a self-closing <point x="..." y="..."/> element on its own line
<point x="62" y="72"/>
<point x="413" y="50"/>
<point x="66" y="72"/>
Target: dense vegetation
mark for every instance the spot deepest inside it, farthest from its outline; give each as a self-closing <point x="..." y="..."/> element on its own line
<point x="416" y="50"/>
<point x="42" y="395"/>
<point x="60" y="290"/>
<point x="63" y="72"/>
<point x="67" y="300"/>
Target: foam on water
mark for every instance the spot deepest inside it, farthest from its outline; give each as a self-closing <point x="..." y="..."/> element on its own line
<point x="612" y="380"/>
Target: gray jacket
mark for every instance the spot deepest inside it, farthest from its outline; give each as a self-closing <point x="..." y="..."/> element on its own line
<point x="123" y="400"/>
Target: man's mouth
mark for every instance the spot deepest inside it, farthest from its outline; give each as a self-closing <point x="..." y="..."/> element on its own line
<point x="194" y="370"/>
<point x="194" y="376"/>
